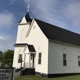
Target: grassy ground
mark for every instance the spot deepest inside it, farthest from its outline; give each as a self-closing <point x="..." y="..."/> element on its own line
<point x="29" y="77"/>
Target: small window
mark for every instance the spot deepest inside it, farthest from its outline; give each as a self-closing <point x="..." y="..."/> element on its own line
<point x="20" y="58"/>
<point x="64" y="60"/>
<point x="39" y="59"/>
<point x="64" y="57"/>
<point x="78" y="58"/>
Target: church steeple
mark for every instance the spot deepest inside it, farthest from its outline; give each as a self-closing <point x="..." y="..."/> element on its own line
<point x="27" y="17"/>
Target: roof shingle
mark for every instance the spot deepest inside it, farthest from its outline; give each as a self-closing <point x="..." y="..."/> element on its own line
<point x="53" y="32"/>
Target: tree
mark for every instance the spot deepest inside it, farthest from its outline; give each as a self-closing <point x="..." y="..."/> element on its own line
<point x="1" y="54"/>
<point x="7" y="58"/>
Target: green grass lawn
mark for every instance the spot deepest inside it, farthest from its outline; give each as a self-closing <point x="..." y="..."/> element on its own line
<point x="29" y="77"/>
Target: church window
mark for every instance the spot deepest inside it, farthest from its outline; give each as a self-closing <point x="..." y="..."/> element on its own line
<point x="39" y="58"/>
<point x="64" y="58"/>
<point x="20" y="58"/>
<point x="78" y="58"/>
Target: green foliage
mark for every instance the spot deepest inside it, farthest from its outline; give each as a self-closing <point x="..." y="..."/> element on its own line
<point x="1" y="54"/>
<point x="8" y="58"/>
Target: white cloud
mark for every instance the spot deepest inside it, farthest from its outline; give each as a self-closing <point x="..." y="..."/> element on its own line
<point x="7" y="43"/>
<point x="72" y="12"/>
<point x="12" y="1"/>
<point x="63" y="13"/>
<point x="46" y="11"/>
<point x="6" y="19"/>
<point x="2" y="38"/>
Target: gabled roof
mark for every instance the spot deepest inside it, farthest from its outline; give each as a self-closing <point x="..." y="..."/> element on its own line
<point x="53" y="32"/>
<point x="30" y="47"/>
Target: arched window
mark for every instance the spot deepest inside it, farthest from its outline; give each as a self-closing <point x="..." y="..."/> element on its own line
<point x="39" y="58"/>
<point x="78" y="58"/>
<point x="39" y="55"/>
<point x="64" y="57"/>
<point x="19" y="56"/>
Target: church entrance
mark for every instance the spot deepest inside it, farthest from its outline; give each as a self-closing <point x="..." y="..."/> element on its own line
<point x="32" y="60"/>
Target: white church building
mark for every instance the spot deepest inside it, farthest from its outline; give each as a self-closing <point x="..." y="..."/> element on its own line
<point x="49" y="49"/>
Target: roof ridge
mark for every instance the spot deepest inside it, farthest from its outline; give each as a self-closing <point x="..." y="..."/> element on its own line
<point x="57" y="26"/>
<point x="59" y="34"/>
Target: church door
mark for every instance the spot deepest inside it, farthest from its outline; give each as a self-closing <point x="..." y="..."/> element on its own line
<point x="32" y="58"/>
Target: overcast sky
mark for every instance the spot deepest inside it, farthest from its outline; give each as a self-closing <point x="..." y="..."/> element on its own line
<point x="63" y="13"/>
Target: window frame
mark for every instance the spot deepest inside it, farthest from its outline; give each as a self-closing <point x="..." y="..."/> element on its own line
<point x="78" y="58"/>
<point x="65" y="60"/>
<point x="19" y="58"/>
<point x="39" y="58"/>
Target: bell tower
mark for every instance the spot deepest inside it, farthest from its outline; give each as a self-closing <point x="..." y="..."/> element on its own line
<point x="23" y="27"/>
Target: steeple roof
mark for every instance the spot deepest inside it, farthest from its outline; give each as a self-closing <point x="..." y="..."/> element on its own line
<point x="27" y="17"/>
